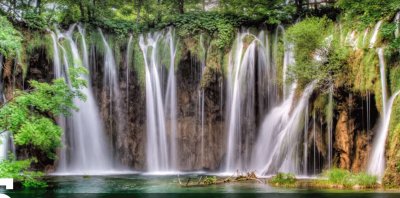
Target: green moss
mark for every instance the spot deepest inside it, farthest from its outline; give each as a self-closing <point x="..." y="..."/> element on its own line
<point x="394" y="78"/>
<point x="138" y="64"/>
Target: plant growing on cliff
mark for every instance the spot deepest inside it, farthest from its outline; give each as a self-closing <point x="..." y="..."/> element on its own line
<point x="10" y="39"/>
<point x="318" y="53"/>
<point x="220" y="26"/>
<point x="30" y="115"/>
<point x="19" y="171"/>
<point x="366" y="11"/>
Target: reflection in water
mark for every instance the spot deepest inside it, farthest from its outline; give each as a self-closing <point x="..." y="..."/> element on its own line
<point x="152" y="186"/>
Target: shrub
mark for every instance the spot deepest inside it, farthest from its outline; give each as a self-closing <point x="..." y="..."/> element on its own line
<point x="308" y="36"/>
<point x="337" y="176"/>
<point x="210" y="180"/>
<point x="10" y="39"/>
<point x="19" y="170"/>
<point x="347" y="179"/>
<point x="283" y="179"/>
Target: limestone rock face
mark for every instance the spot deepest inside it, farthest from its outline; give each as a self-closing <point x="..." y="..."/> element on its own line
<point x="344" y="134"/>
<point x="362" y="150"/>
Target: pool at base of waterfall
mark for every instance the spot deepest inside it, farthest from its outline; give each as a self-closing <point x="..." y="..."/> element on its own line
<point x="144" y="185"/>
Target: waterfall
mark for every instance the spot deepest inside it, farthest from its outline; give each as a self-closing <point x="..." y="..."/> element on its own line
<point x="279" y="141"/>
<point x="382" y="70"/>
<point x="329" y="122"/>
<point x="314" y="145"/>
<point x="85" y="148"/>
<point x="3" y="146"/>
<point x="288" y="60"/>
<point x="365" y="36"/>
<point x="246" y="63"/>
<point x="305" y="143"/>
<point x="5" y="137"/>
<point x="201" y="95"/>
<point x="160" y="101"/>
<point x="128" y="64"/>
<point x="376" y="165"/>
<point x="397" y="21"/>
<point x="56" y="57"/>
<point x="375" y="34"/>
<point x="111" y="85"/>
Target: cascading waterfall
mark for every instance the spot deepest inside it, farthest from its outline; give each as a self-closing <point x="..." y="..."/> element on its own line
<point x="376" y="164"/>
<point x="128" y="65"/>
<point x="314" y="144"/>
<point x="85" y="148"/>
<point x="329" y="122"/>
<point x="287" y="61"/>
<point x="3" y="145"/>
<point x="3" y="136"/>
<point x="382" y="69"/>
<point x="305" y="143"/>
<point x="111" y="85"/>
<point x="6" y="140"/>
<point x="279" y="142"/>
<point x="160" y="101"/>
<point x="397" y="21"/>
<point x="365" y="36"/>
<point x="245" y="63"/>
<point x="201" y="94"/>
<point x="375" y="34"/>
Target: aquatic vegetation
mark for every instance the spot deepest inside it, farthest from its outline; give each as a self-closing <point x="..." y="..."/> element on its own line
<point x="283" y="179"/>
<point x="349" y="180"/>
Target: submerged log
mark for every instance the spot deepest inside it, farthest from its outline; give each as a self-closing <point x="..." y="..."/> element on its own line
<point x="213" y="180"/>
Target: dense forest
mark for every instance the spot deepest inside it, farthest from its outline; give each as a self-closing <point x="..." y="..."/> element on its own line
<point x="280" y="87"/>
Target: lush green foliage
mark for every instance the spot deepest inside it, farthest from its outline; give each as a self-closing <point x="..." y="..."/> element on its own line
<point x="29" y="115"/>
<point x="311" y="39"/>
<point x="210" y="180"/>
<point x="19" y="171"/>
<point x="283" y="179"/>
<point x="367" y="12"/>
<point x="219" y="25"/>
<point x="10" y="39"/>
<point x="271" y="11"/>
<point x="347" y="179"/>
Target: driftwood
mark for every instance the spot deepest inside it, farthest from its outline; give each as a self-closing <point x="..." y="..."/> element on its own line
<point x="213" y="180"/>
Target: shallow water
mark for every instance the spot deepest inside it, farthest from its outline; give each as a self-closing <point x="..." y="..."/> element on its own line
<point x="140" y="185"/>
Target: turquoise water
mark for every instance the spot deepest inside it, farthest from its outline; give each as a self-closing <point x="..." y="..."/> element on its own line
<point x="168" y="186"/>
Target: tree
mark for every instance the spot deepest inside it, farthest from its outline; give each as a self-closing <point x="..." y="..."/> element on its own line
<point x="30" y="116"/>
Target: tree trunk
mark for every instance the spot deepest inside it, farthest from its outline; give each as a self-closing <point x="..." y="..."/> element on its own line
<point x="181" y="6"/>
<point x="299" y="6"/>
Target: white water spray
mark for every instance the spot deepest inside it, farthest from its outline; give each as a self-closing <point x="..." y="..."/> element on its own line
<point x="241" y="97"/>
<point x="375" y="34"/>
<point x="397" y="21"/>
<point x="376" y="164"/>
<point x="86" y="150"/>
<point x="160" y="102"/>
<point x="279" y="142"/>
